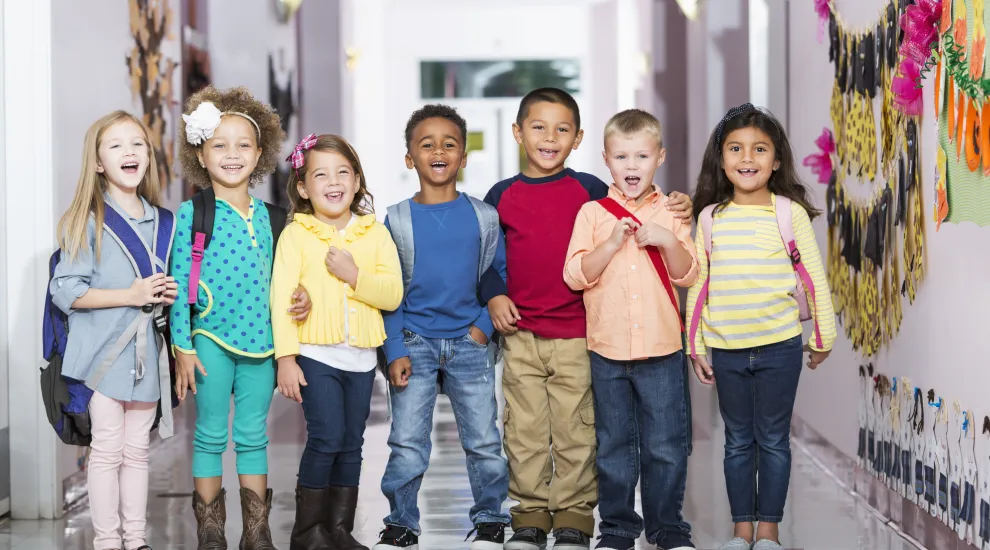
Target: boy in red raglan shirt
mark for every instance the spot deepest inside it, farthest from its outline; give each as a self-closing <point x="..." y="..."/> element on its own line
<point x="547" y="378"/>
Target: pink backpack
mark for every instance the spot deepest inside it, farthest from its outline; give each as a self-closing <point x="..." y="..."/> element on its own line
<point x="803" y="287"/>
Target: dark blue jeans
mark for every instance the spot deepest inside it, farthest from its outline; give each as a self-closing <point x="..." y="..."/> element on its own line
<point x="336" y="405"/>
<point x="469" y="382"/>
<point x="641" y="421"/>
<point x="756" y="390"/>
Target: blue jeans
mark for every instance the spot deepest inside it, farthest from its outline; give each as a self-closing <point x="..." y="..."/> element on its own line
<point x="469" y="382"/>
<point x="641" y="420"/>
<point x="336" y="405"/>
<point x="756" y="390"/>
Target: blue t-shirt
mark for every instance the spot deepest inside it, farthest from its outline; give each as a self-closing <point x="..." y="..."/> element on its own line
<point x="442" y="299"/>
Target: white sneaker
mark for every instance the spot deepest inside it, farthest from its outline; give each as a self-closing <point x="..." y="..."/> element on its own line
<point x="737" y="543"/>
<point x="765" y="544"/>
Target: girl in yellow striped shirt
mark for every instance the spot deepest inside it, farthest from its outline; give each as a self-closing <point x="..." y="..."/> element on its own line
<point x="747" y="306"/>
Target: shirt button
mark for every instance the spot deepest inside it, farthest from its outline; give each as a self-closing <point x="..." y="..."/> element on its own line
<point x="633" y="268"/>
<point x="636" y="325"/>
<point x="132" y="371"/>
<point x="635" y="296"/>
<point x="353" y="310"/>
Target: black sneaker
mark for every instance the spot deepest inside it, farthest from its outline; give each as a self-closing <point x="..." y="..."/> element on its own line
<point x="394" y="537"/>
<point x="528" y="538"/>
<point x="570" y="539"/>
<point x="491" y="536"/>
<point x="612" y="542"/>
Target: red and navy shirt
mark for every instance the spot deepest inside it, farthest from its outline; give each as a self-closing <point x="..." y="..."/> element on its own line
<point x="537" y="217"/>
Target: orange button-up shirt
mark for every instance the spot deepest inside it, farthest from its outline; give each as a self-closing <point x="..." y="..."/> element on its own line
<point x="629" y="312"/>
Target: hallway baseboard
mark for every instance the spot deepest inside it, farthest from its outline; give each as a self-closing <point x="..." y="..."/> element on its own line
<point x="904" y="517"/>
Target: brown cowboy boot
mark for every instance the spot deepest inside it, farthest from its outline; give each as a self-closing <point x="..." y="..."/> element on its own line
<point x="210" y="520"/>
<point x="257" y="535"/>
<point x="340" y="518"/>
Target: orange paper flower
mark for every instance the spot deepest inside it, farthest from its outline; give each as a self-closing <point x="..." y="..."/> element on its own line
<point x="976" y="58"/>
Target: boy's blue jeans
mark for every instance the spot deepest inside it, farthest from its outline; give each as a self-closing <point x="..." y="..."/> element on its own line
<point x="642" y="418"/>
<point x="756" y="390"/>
<point x="469" y="382"/>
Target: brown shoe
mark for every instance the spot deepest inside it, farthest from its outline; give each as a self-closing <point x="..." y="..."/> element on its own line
<point x="210" y="520"/>
<point x="257" y="535"/>
<point x="340" y="518"/>
<point x="309" y="531"/>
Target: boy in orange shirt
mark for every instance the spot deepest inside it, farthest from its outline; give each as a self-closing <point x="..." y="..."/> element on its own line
<point x="625" y="252"/>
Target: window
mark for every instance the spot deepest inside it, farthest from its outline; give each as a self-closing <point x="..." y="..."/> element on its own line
<point x="481" y="79"/>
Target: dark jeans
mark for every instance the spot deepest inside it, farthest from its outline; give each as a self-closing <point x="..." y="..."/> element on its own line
<point x="641" y="421"/>
<point x="469" y="382"/>
<point x="756" y="390"/>
<point x="336" y="405"/>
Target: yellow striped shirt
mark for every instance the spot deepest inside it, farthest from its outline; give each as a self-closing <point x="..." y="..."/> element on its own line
<point x="749" y="297"/>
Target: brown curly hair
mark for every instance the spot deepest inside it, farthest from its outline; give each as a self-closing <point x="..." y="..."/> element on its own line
<point x="240" y="100"/>
<point x="363" y="202"/>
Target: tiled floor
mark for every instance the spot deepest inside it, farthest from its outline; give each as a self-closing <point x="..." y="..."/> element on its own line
<point x="819" y="515"/>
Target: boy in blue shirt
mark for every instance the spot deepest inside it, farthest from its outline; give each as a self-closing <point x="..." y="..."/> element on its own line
<point x="442" y="328"/>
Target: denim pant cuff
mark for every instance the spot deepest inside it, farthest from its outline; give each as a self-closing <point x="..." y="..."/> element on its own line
<point x="744" y="519"/>
<point x="770" y="519"/>
<point x="631" y="535"/>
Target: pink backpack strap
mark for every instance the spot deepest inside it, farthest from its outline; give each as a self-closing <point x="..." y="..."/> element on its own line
<point x="705" y="222"/>
<point x="194" y="269"/>
<point x="785" y="223"/>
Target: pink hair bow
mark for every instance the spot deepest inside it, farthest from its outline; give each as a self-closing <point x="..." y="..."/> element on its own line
<point x="821" y="163"/>
<point x="298" y="158"/>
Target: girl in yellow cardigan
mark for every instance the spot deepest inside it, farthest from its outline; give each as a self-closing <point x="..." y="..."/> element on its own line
<point x="348" y="262"/>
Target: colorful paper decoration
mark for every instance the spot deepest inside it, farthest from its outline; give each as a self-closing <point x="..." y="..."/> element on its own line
<point x="962" y="182"/>
<point x="876" y="241"/>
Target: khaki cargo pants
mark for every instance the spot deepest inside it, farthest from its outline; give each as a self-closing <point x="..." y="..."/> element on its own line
<point x="550" y="432"/>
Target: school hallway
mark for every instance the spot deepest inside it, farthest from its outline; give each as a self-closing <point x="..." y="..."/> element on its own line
<point x="820" y="515"/>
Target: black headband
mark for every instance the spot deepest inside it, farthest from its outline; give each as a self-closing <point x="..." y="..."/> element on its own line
<point x="743" y="109"/>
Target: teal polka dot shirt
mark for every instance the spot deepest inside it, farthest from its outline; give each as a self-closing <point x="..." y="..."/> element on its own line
<point x="232" y="307"/>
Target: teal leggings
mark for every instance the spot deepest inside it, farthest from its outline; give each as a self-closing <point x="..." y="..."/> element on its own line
<point x="252" y="381"/>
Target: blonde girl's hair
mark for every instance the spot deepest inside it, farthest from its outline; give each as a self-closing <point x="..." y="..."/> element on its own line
<point x="92" y="185"/>
<point x="363" y="202"/>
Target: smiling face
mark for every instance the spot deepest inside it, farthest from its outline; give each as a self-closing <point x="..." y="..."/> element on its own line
<point x="330" y="185"/>
<point x="632" y="160"/>
<point x="124" y="155"/>
<point x="749" y="159"/>
<point x="232" y="154"/>
<point x="548" y="134"/>
<point x="436" y="152"/>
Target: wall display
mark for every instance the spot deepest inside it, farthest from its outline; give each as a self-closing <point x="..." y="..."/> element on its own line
<point x="921" y="479"/>
<point x="151" y="74"/>
<point x="962" y="188"/>
<point x="284" y="103"/>
<point x="874" y="200"/>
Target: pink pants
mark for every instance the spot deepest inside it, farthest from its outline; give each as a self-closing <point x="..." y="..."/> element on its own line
<point x="118" y="470"/>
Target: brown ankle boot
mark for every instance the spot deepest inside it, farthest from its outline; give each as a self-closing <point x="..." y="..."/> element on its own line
<point x="210" y="520"/>
<point x="340" y="518"/>
<point x="257" y="535"/>
<point x="309" y="531"/>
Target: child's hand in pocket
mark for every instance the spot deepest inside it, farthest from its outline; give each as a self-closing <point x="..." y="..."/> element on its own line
<point x="504" y="314"/>
<point x="399" y="372"/>
<point x="290" y="378"/>
<point x="478" y="335"/>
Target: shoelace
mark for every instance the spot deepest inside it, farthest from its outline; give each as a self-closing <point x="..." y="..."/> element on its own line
<point x="568" y="532"/>
<point x="394" y="533"/>
<point x="528" y="531"/>
<point x="490" y="529"/>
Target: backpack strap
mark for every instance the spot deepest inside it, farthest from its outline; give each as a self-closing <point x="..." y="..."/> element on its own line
<point x="400" y="222"/>
<point x="488" y="224"/>
<point x="279" y="218"/>
<point x="785" y="223"/>
<point x="705" y="222"/>
<point x="204" y="212"/>
<point x="616" y="209"/>
<point x="146" y="261"/>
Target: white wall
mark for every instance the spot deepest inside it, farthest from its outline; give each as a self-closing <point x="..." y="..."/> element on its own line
<point x="90" y="78"/>
<point x="942" y="342"/>
<point x="321" y="67"/>
<point x="383" y="88"/>
<point x="4" y="416"/>
<point x="241" y="35"/>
